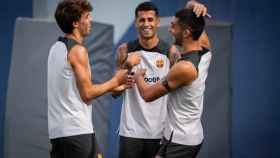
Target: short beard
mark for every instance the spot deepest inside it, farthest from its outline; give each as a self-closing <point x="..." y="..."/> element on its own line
<point x="178" y="38"/>
<point x="178" y="42"/>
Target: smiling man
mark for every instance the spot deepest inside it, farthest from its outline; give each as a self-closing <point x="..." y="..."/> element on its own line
<point x="141" y="123"/>
<point x="185" y="84"/>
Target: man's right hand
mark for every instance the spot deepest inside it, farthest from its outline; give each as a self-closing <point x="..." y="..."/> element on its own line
<point x="129" y="83"/>
<point x="121" y="76"/>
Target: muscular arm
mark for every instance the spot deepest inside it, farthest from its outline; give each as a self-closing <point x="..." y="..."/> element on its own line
<point x="121" y="57"/>
<point x="174" y="79"/>
<point x="78" y="59"/>
<point x="173" y="55"/>
<point x="125" y="60"/>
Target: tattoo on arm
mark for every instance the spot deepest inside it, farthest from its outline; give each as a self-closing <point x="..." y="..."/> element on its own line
<point x="122" y="56"/>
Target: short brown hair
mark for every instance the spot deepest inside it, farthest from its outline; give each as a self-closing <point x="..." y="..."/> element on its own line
<point x="69" y="11"/>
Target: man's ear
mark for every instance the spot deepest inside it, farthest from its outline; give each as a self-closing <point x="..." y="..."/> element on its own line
<point x="158" y="22"/>
<point x="75" y="24"/>
<point x="186" y="33"/>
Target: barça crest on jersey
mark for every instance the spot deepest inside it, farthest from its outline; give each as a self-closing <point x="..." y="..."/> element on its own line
<point x="159" y="63"/>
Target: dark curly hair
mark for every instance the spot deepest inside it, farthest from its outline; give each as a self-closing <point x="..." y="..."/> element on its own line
<point x="69" y="11"/>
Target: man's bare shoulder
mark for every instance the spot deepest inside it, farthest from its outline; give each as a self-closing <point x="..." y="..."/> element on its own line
<point x="78" y="53"/>
<point x="122" y="48"/>
<point x="185" y="69"/>
<point x="173" y="49"/>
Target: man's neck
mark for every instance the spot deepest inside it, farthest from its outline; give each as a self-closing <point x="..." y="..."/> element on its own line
<point x="149" y="43"/>
<point x="75" y="36"/>
<point x="190" y="45"/>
